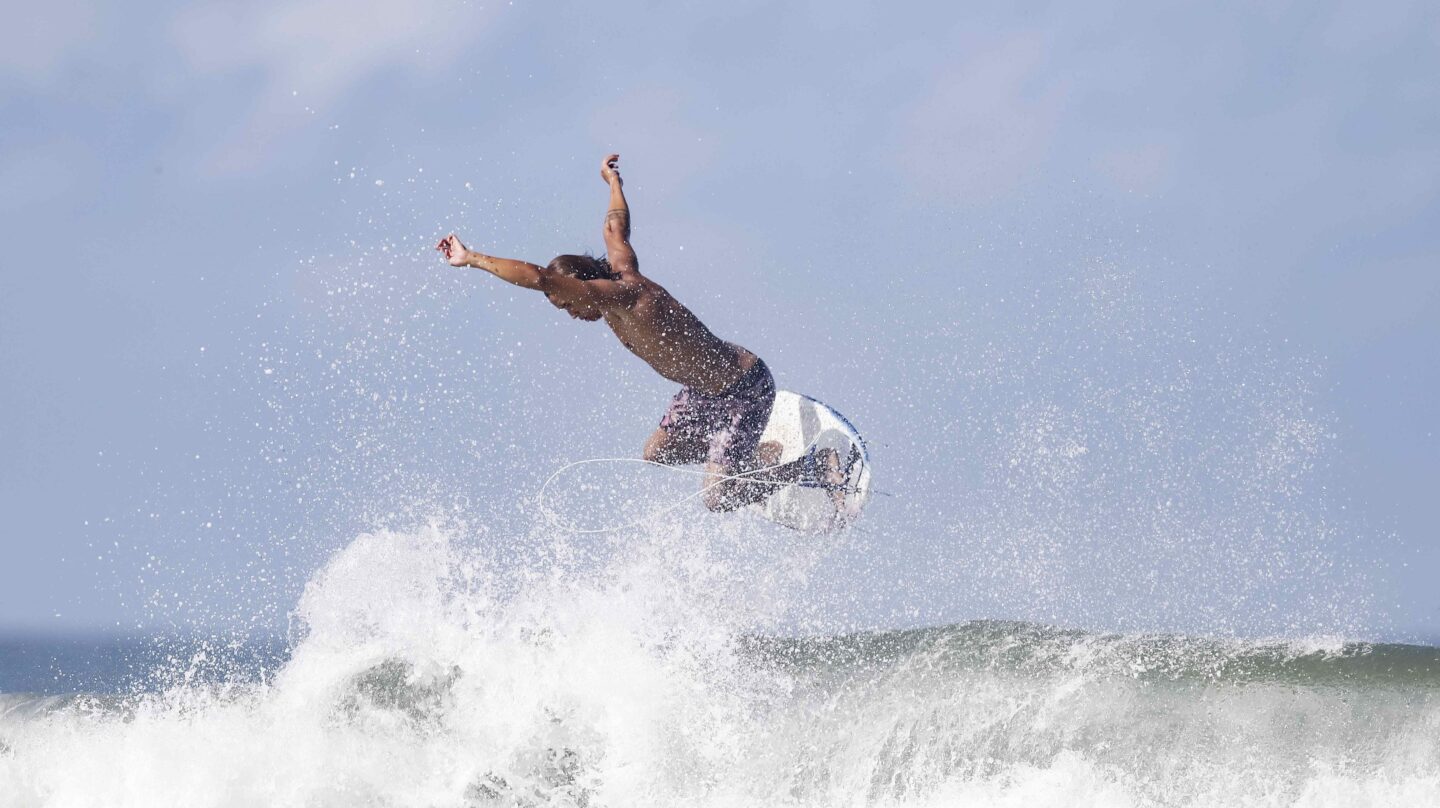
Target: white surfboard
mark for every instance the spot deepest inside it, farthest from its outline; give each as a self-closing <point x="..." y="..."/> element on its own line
<point x="801" y="424"/>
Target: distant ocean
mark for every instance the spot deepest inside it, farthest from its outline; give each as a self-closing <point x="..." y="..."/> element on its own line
<point x="417" y="682"/>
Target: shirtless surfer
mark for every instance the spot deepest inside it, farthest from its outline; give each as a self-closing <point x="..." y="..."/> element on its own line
<point x="727" y="391"/>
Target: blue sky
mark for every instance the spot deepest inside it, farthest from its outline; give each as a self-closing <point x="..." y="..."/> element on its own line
<point x="1137" y="304"/>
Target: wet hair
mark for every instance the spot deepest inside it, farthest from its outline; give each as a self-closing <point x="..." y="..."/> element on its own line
<point x="583" y="267"/>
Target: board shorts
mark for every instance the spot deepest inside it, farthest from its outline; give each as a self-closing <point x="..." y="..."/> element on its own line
<point x="730" y="422"/>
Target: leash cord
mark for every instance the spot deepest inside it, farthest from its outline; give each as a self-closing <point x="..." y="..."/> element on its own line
<point x="555" y="519"/>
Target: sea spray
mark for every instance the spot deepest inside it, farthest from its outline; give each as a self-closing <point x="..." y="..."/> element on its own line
<point x="646" y="672"/>
<point x="415" y="681"/>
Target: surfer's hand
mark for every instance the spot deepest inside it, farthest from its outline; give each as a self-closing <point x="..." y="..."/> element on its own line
<point x="610" y="169"/>
<point x="454" y="252"/>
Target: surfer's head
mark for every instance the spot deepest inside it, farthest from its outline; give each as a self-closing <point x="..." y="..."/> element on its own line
<point x="581" y="267"/>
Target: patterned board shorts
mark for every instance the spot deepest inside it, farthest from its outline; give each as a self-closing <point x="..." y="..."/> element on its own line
<point x="730" y="422"/>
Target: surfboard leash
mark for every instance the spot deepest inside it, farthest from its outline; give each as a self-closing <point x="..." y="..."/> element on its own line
<point x="748" y="476"/>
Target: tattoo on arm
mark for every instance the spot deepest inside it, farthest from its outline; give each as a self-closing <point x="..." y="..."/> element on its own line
<point x="621" y="218"/>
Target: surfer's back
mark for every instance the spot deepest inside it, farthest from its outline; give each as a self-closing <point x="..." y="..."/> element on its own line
<point x="661" y="330"/>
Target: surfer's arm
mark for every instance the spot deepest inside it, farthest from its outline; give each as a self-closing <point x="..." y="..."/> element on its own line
<point x="520" y="273"/>
<point x="561" y="287"/>
<point x="617" y="220"/>
<point x="528" y="275"/>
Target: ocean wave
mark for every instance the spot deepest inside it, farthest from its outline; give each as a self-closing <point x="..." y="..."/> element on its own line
<point x="420" y="680"/>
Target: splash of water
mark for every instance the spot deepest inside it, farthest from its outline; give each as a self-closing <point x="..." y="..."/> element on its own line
<point x="422" y="676"/>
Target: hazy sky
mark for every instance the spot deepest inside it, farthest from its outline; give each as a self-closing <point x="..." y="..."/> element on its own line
<point x="1139" y="305"/>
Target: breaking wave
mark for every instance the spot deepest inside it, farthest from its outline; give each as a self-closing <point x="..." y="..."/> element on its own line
<point x="420" y="676"/>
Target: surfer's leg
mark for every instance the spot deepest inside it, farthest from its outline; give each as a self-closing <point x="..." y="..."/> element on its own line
<point x="673" y="448"/>
<point x="820" y="467"/>
<point x="728" y="487"/>
<point x="725" y="490"/>
<point x="680" y="438"/>
<point x="737" y="422"/>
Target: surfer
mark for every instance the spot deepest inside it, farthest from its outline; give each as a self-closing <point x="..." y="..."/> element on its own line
<point x="726" y="391"/>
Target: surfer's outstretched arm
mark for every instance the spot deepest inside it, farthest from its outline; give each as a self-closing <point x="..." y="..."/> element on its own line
<point x="520" y="273"/>
<point x="560" y="287"/>
<point x="617" y="220"/>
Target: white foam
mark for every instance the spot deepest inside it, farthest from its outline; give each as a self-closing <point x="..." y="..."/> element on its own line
<point x="423" y="679"/>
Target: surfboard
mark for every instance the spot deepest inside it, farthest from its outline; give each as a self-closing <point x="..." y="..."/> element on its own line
<point x="801" y="424"/>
